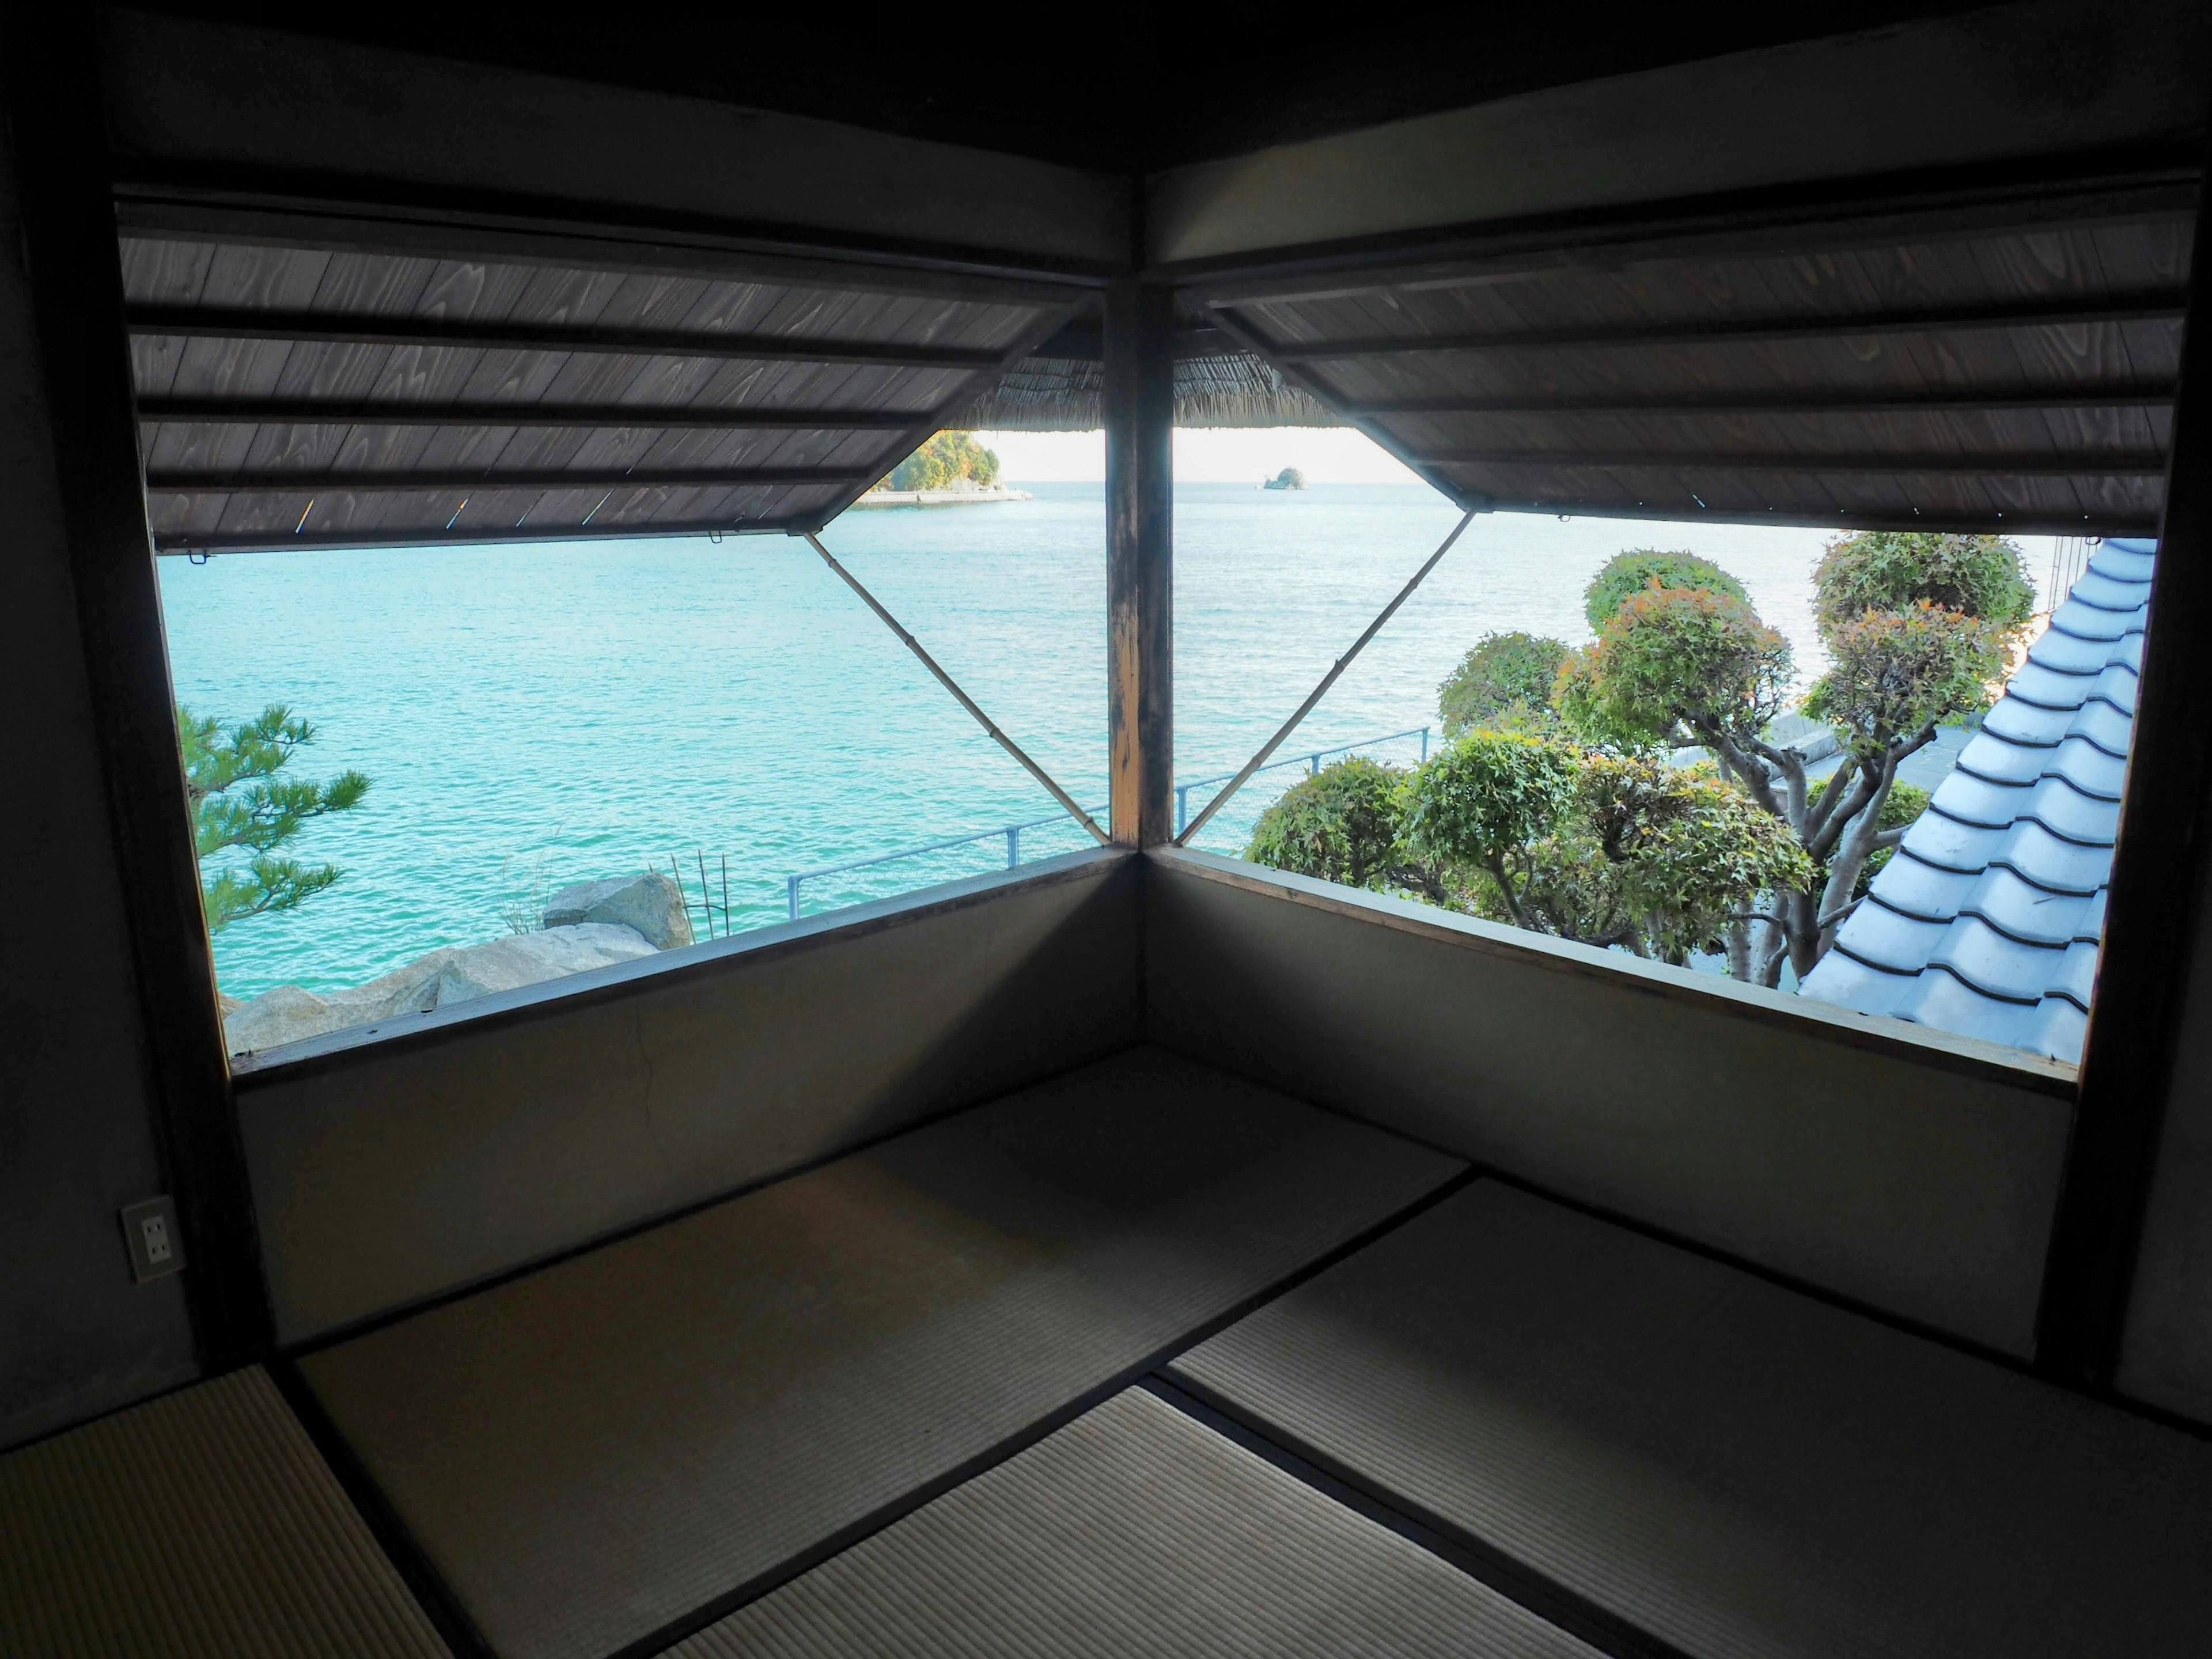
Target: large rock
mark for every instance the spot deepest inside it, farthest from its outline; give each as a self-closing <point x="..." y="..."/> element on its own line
<point x="651" y="902"/>
<point x="287" y="1014"/>
<point x="444" y="976"/>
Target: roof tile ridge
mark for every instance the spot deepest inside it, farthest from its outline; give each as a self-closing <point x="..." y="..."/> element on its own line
<point x="1983" y="991"/>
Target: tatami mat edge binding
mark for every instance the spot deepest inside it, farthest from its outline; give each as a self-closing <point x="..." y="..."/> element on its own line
<point x="1549" y="1601"/>
<point x="1742" y="1470"/>
<point x="1132" y="1532"/>
<point x="202" y="1525"/>
<point x="595" y="1456"/>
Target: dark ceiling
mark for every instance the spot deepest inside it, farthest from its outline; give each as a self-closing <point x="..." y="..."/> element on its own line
<point x="1131" y="89"/>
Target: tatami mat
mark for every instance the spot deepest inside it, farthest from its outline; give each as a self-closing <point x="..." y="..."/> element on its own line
<point x="1132" y="1532"/>
<point x="202" y="1525"/>
<point x="601" y="1449"/>
<point x="1738" y="1469"/>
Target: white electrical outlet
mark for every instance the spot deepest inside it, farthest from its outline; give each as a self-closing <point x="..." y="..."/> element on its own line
<point x="149" y="1230"/>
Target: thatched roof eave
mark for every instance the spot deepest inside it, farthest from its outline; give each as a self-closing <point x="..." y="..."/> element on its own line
<point x="1062" y="394"/>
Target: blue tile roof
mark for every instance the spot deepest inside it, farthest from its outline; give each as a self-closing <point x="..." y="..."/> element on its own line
<point x="1987" y="921"/>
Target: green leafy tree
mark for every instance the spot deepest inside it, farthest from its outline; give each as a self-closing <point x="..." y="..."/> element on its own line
<point x="1483" y="803"/>
<point x="1504" y="684"/>
<point x="1640" y="568"/>
<point x="1676" y="666"/>
<point x="1977" y="576"/>
<point x="1658" y="859"/>
<point x="1606" y="848"/>
<point x="1895" y="672"/>
<point x="1704" y="863"/>
<point x="946" y="458"/>
<point x="1697" y="666"/>
<point x="1612" y="845"/>
<point x="238" y="801"/>
<point x="1340" y="825"/>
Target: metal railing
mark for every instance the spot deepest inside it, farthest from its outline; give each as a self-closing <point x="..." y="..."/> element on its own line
<point x="794" y="883"/>
<point x="1310" y="761"/>
<point x="1012" y="832"/>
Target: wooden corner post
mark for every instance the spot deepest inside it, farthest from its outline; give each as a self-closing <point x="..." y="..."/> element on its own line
<point x="1140" y="417"/>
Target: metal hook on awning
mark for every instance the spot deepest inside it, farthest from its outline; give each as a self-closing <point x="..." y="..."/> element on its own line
<point x="1327" y="680"/>
<point x="965" y="700"/>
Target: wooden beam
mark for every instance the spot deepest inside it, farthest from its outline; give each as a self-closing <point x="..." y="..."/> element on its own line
<point x="330" y="328"/>
<point x="66" y="243"/>
<point x="2156" y="919"/>
<point x="1923" y="207"/>
<point x="630" y="417"/>
<point x="992" y="729"/>
<point x="2163" y="308"/>
<point x="296" y="481"/>
<point x="1243" y="775"/>
<point x="257" y="219"/>
<point x="2026" y="400"/>
<point x="2120" y="465"/>
<point x="1083" y="340"/>
<point x="2010" y="522"/>
<point x="189" y="544"/>
<point x="1139" y="409"/>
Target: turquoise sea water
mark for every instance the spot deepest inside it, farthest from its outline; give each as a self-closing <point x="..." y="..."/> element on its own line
<point x="536" y="715"/>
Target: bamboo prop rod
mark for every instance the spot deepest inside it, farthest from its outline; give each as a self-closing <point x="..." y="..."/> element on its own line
<point x="962" y="697"/>
<point x="1327" y="680"/>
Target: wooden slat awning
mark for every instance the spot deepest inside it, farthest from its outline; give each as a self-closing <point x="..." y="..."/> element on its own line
<point x="326" y="391"/>
<point x="1930" y="370"/>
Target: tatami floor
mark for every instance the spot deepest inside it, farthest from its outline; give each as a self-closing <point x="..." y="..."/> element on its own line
<point x="1142" y="1360"/>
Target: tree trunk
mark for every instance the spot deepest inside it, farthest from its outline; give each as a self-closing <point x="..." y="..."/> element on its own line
<point x="1737" y="940"/>
<point x="1778" y="950"/>
<point x="1496" y="866"/>
<point x="1851" y="857"/>
<point x="1804" y="934"/>
<point x="1416" y="878"/>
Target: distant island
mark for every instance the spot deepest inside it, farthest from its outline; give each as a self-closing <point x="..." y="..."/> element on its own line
<point x="951" y="470"/>
<point x="1289" y="478"/>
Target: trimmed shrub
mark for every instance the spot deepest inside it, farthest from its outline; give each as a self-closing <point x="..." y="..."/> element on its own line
<point x="1629" y="572"/>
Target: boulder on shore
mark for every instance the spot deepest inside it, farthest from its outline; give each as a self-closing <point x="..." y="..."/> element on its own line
<point x="652" y="904"/>
<point x="444" y="976"/>
<point x="283" y="1015"/>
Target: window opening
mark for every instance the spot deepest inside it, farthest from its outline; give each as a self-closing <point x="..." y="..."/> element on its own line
<point x="1876" y="768"/>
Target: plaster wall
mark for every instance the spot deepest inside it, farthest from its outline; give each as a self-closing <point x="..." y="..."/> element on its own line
<point x="460" y="1145"/>
<point x="2166" y="1354"/>
<point x="1918" y="1177"/>
<point x="77" y="1140"/>
<point x="217" y="101"/>
<point x="1987" y="88"/>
